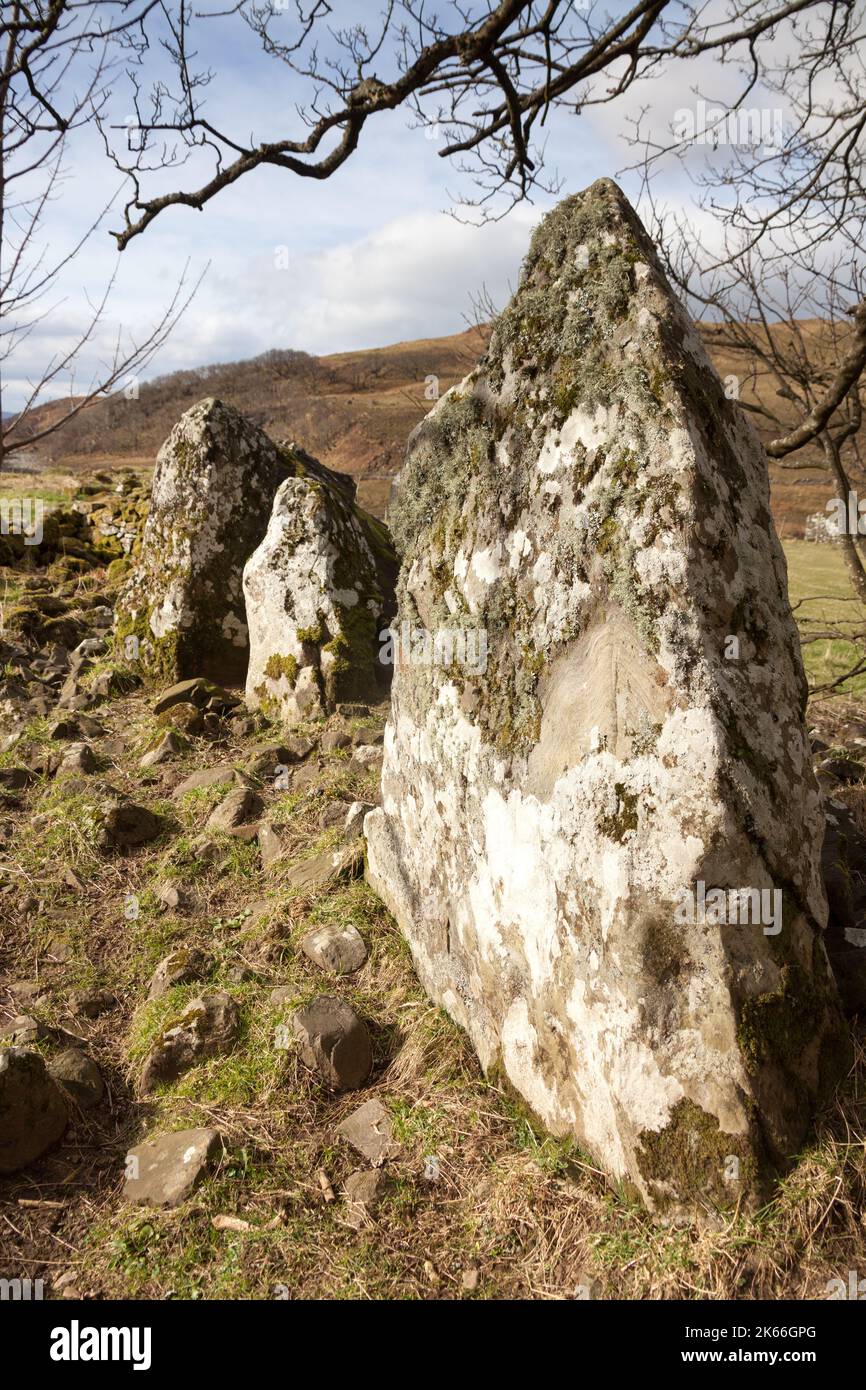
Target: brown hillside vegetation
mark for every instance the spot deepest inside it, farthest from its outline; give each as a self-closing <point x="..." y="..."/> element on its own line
<point x="355" y="411"/>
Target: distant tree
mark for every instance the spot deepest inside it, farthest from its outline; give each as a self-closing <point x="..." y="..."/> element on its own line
<point x="773" y="264"/>
<point x="55" y="63"/>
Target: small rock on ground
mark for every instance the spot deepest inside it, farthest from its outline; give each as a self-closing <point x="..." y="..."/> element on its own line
<point x="163" y="1172"/>
<point x="334" y="1042"/>
<point x="338" y="949"/>
<point x="369" y="1130"/>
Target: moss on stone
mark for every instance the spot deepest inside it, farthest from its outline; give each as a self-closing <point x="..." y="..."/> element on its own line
<point x="690" y="1156"/>
<point x="625" y="818"/>
<point x="282" y="665"/>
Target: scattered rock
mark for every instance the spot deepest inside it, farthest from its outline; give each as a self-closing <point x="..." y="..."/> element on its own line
<point x="369" y="1130"/>
<point x="79" y="1075"/>
<point x="79" y="758"/>
<point x="368" y="736"/>
<point x="124" y="825"/>
<point x="368" y="756"/>
<point x="173" y="897"/>
<point x="222" y="776"/>
<point x="334" y="1042"/>
<point x="300" y="748"/>
<point x="307" y="778"/>
<point x="163" y="1172"/>
<point x="845" y="770"/>
<point x="334" y="739"/>
<point x="338" y="949"/>
<point x="268" y="762"/>
<point x="270" y="844"/>
<point x="28" y="993"/>
<point x="181" y="966"/>
<point x="15" y="778"/>
<point x="168" y="748"/>
<point x="23" y="1030"/>
<point x="185" y="719"/>
<point x="353" y="825"/>
<point x="240" y="805"/>
<point x="316" y="874"/>
<point x="33" y="1111"/>
<point x="843" y="862"/>
<point x="90" y="1003"/>
<point x="207" y="1027"/>
<point x="65" y="729"/>
<point x="364" y="1190"/>
<point x="198" y="692"/>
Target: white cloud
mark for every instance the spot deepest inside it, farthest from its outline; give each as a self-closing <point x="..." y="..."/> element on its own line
<point x="415" y="276"/>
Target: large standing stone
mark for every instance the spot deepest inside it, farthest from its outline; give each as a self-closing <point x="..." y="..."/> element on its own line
<point x="319" y="591"/>
<point x="214" y="484"/>
<point x="590" y="501"/>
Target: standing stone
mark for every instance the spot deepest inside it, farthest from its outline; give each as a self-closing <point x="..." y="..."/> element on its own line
<point x="624" y="730"/>
<point x="319" y="590"/>
<point x="214" y="484"/>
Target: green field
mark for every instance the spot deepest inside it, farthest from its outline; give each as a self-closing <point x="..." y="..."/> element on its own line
<point x="823" y="600"/>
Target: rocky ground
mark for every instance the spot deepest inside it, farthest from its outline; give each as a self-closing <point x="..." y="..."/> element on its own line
<point x="189" y="944"/>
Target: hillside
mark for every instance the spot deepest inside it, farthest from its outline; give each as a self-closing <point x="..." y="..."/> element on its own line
<point x="353" y="410"/>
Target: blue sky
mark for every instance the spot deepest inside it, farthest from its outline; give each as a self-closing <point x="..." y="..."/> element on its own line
<point x="372" y="254"/>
